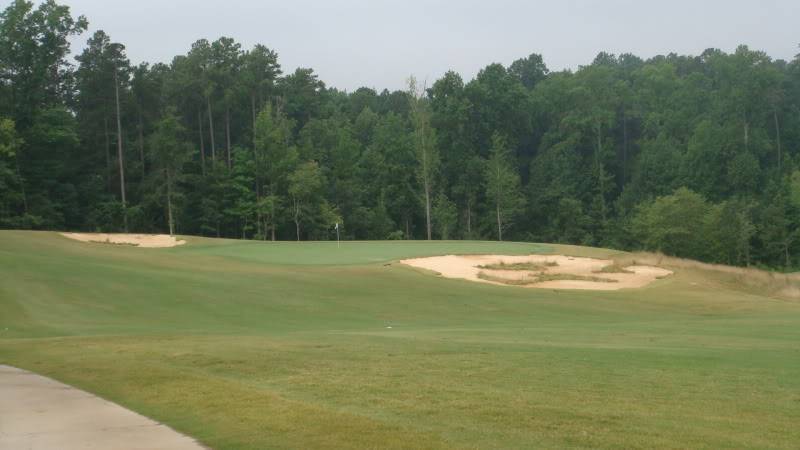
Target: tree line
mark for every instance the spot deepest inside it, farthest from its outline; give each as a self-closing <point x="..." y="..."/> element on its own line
<point x="694" y="156"/>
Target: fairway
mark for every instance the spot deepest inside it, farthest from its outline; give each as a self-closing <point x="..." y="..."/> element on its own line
<point x="255" y="345"/>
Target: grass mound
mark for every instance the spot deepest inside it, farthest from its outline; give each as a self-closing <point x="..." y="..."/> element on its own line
<point x="523" y="281"/>
<point x="541" y="278"/>
<point x="108" y="241"/>
<point x="614" y="268"/>
<point x="529" y="266"/>
<point x="534" y="278"/>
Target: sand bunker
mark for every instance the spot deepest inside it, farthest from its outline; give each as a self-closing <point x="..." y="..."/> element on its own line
<point x="541" y="271"/>
<point x="137" y="240"/>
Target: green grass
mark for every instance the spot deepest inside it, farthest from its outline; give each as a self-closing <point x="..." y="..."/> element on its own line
<point x="248" y="345"/>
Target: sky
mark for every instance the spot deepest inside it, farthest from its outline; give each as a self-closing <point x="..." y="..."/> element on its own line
<point x="379" y="43"/>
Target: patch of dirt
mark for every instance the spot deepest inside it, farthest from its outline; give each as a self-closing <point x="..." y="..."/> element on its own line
<point x="554" y="271"/>
<point x="136" y="240"/>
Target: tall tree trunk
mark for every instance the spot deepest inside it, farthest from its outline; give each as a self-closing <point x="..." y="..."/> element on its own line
<point x="253" y="109"/>
<point x="257" y="164"/>
<point x="228" y="134"/>
<point x="426" y="176"/>
<point x="599" y="167"/>
<point x="777" y="136"/>
<point x="258" y="211"/>
<point x="170" y="218"/>
<point x="469" y="218"/>
<point x="258" y="219"/>
<point x="202" y="142"/>
<point x="140" y="127"/>
<point x="297" y="219"/>
<point x="21" y="184"/>
<point x="428" y="207"/>
<point x="108" y="152"/>
<point x="211" y="133"/>
<point x="499" y="223"/>
<point x="598" y="147"/>
<point x="747" y="254"/>
<point x="786" y="252"/>
<point x="624" y="147"/>
<point x="746" y="135"/>
<point x="119" y="153"/>
<point x="427" y="188"/>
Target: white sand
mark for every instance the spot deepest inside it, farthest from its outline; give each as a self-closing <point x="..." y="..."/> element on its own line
<point x="139" y="240"/>
<point x="466" y="267"/>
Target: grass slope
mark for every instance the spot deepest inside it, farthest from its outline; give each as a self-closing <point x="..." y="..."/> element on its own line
<point x="249" y="345"/>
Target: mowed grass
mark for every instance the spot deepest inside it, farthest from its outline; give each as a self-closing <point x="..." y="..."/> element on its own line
<point x="249" y="345"/>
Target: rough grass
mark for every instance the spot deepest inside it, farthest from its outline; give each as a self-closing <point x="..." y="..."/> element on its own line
<point x="614" y="268"/>
<point x="541" y="278"/>
<point x="534" y="278"/>
<point x="528" y="266"/>
<point x="108" y="241"/>
<point x="250" y="345"/>
<point x="751" y="279"/>
<point x="525" y="280"/>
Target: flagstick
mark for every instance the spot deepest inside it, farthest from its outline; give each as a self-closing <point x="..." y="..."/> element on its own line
<point x="337" y="235"/>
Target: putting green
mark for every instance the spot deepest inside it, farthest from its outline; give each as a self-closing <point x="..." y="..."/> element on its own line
<point x="251" y="345"/>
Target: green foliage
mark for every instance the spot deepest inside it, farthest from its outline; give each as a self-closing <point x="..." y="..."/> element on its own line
<point x="170" y="152"/>
<point x="445" y="216"/>
<point x="34" y="45"/>
<point x="308" y="204"/>
<point x="778" y="231"/>
<point x="503" y="185"/>
<point x="732" y="231"/>
<point x="274" y="153"/>
<point x="427" y="152"/>
<point x="12" y="200"/>
<point x="518" y="152"/>
<point x="9" y="141"/>
<point x="530" y="71"/>
<point x="675" y="224"/>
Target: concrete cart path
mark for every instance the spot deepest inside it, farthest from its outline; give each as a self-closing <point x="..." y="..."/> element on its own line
<point x="37" y="413"/>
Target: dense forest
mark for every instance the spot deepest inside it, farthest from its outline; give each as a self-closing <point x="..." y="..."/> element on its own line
<point x="695" y="156"/>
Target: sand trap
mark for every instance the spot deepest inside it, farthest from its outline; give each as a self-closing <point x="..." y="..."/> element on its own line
<point x="138" y="240"/>
<point x="467" y="267"/>
<point x="40" y="413"/>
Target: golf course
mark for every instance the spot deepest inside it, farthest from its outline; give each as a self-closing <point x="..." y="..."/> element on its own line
<point x="256" y="345"/>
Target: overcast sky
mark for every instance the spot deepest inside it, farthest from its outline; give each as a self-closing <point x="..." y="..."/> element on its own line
<point x="379" y="43"/>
